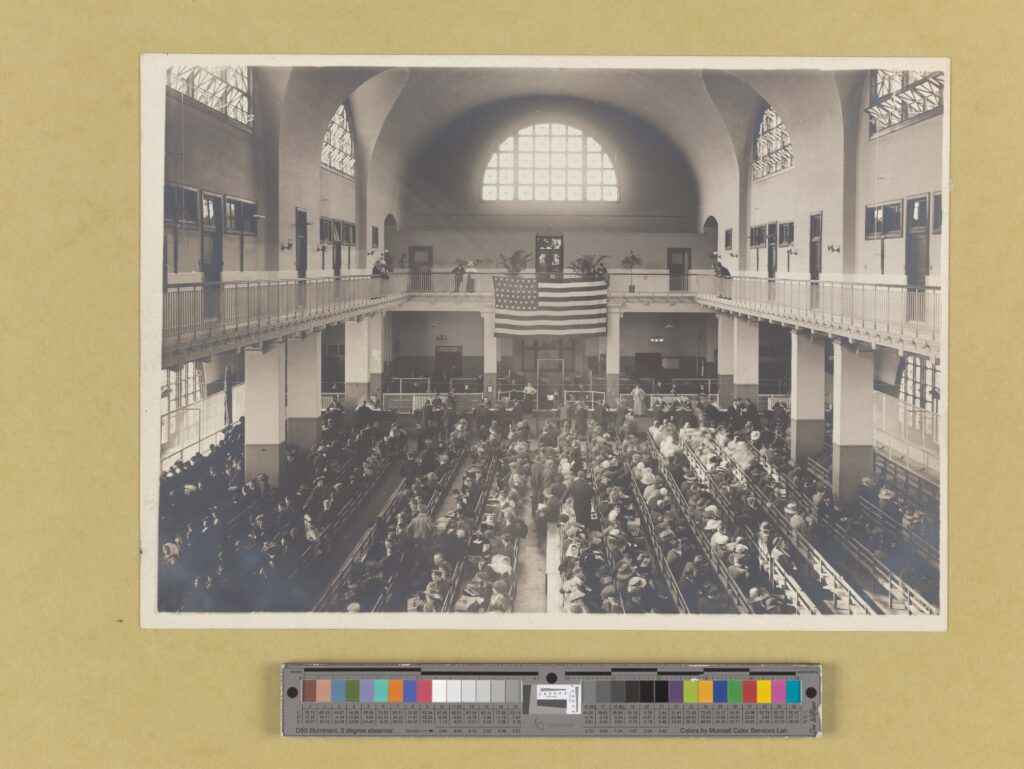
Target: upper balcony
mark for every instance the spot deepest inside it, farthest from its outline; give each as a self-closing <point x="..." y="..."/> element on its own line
<point x="906" y="318"/>
<point x="200" y="319"/>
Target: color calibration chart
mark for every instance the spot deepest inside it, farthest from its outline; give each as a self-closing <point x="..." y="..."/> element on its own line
<point x="550" y="700"/>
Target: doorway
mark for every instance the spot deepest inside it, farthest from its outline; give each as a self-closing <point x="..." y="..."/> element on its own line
<point x="679" y="265"/>
<point x="211" y="256"/>
<point x="647" y="365"/>
<point x="447" y="362"/>
<point x="301" y="264"/>
<point x="814" y="249"/>
<point x="917" y="241"/>
<point x="421" y="264"/>
<point x="773" y="249"/>
<point x="814" y="259"/>
<point x="550" y="251"/>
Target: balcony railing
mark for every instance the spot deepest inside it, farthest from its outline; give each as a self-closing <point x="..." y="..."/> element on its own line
<point x="201" y="311"/>
<point x="907" y="313"/>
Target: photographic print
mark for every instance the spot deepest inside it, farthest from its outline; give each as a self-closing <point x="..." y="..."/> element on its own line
<point x="538" y="342"/>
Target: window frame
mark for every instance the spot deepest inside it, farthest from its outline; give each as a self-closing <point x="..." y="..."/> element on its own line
<point x="374" y="236"/>
<point x="246" y="216"/>
<point x="781" y="156"/>
<point x="516" y="166"/>
<point x="937" y="214"/>
<point x="884" y="233"/>
<point x="761" y="230"/>
<point x="786" y="233"/>
<point x="346" y="228"/>
<point x="875" y="101"/>
<point x="728" y="239"/>
<point x="345" y="108"/>
<point x="223" y="112"/>
<point x="178" y="221"/>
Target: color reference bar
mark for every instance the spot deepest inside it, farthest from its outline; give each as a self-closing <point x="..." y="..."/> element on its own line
<point x="406" y="690"/>
<point x="695" y="692"/>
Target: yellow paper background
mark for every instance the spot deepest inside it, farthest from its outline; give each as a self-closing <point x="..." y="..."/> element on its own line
<point x="84" y="686"/>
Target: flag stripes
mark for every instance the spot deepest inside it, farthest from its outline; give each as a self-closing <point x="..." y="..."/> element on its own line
<point x="528" y="306"/>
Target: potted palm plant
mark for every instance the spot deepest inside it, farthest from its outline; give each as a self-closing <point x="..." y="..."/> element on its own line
<point x="515" y="263"/>
<point x="586" y="265"/>
<point x="629" y="262"/>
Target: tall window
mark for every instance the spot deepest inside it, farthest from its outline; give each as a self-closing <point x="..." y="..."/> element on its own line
<point x="900" y="96"/>
<point x="550" y="161"/>
<point x="224" y="89"/>
<point x="772" y="150"/>
<point x="338" y="151"/>
<point x="919" y="385"/>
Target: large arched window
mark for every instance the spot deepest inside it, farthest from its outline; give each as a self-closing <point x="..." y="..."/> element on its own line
<point x="550" y="161"/>
<point x="901" y="96"/>
<point x="338" y="151"/>
<point x="224" y="89"/>
<point x="772" y="150"/>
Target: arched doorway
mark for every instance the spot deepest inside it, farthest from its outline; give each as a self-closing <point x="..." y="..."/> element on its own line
<point x="390" y="242"/>
<point x="711" y="233"/>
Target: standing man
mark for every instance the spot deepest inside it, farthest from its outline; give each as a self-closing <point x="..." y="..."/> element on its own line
<point x="582" y="494"/>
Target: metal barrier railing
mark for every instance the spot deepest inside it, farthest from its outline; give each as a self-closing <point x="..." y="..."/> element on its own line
<point x="200" y="311"/>
<point x="904" y="312"/>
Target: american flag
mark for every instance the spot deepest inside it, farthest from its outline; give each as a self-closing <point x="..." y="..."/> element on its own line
<point x="543" y="307"/>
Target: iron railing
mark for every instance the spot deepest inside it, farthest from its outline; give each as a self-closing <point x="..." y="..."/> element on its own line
<point x="202" y="311"/>
<point x="910" y="313"/>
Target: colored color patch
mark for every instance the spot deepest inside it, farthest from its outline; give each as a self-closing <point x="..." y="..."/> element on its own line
<point x="721" y="691"/>
<point x="380" y="690"/>
<point x="338" y="690"/>
<point x="408" y="691"/>
<point x="778" y="691"/>
<point x="735" y="692"/>
<point x="309" y="690"/>
<point x="764" y="692"/>
<point x="793" y="692"/>
<point x="323" y="690"/>
<point x="352" y="691"/>
<point x="705" y="691"/>
<point x="675" y="691"/>
<point x="750" y="692"/>
<point x="690" y="691"/>
<point x="424" y="691"/>
<point x="366" y="690"/>
<point x="395" y="690"/>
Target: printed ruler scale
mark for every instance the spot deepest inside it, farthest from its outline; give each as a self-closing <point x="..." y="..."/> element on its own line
<point x="550" y="700"/>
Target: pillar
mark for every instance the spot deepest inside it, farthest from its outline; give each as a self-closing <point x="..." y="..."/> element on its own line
<point x="807" y="413"/>
<point x="725" y="362"/>
<point x="490" y="356"/>
<point x="357" y="361"/>
<point x="612" y="355"/>
<point x="376" y="349"/>
<point x="853" y="385"/>
<point x="304" y="383"/>
<point x="746" y="360"/>
<point x="264" y="412"/>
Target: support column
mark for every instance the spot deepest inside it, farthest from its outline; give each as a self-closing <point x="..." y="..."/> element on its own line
<point x="490" y="356"/>
<point x="304" y="382"/>
<point x="853" y="385"/>
<point x="376" y="348"/>
<point x="612" y="355"/>
<point x="746" y="357"/>
<point x="807" y="415"/>
<point x="357" y="361"/>
<point x="725" y="362"/>
<point x="264" y="412"/>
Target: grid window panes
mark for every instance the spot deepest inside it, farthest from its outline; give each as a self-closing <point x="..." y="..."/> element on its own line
<point x="883" y="221"/>
<point x="728" y="239"/>
<point x="224" y="89"/>
<point x="898" y="96"/>
<point x="919" y="385"/>
<point x="550" y="162"/>
<point x="772" y="149"/>
<point x="338" y="150"/>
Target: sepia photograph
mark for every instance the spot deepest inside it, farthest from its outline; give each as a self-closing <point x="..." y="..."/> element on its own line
<point x="541" y="342"/>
